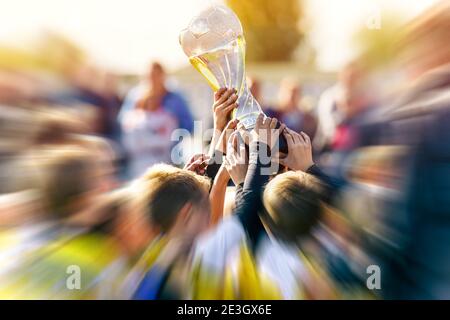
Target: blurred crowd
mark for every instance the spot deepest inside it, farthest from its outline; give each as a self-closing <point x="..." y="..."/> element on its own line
<point x="91" y="206"/>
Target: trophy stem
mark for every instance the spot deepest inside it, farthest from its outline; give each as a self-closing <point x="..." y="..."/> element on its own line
<point x="248" y="109"/>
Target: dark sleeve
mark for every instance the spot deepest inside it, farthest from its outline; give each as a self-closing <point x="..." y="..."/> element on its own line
<point x="177" y="105"/>
<point x="331" y="184"/>
<point x="249" y="201"/>
<point x="238" y="192"/>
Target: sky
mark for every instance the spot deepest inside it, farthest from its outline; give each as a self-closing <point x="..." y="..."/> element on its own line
<point x="124" y="35"/>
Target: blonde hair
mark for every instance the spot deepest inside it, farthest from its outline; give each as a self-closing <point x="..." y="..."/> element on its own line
<point x="292" y="204"/>
<point x="166" y="189"/>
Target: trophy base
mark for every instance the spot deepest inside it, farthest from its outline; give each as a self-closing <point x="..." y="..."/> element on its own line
<point x="248" y="120"/>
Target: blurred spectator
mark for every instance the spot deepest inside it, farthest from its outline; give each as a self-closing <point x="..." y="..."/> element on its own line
<point x="148" y="117"/>
<point x="254" y="86"/>
<point x="328" y="116"/>
<point x="147" y="130"/>
<point x="70" y="180"/>
<point x="171" y="102"/>
<point x="99" y="89"/>
<point x="408" y="190"/>
<point x="419" y="268"/>
<point x="342" y="108"/>
<point x="289" y="109"/>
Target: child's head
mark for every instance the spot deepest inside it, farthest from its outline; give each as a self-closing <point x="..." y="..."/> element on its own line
<point x="175" y="200"/>
<point x="292" y="205"/>
<point x="69" y="181"/>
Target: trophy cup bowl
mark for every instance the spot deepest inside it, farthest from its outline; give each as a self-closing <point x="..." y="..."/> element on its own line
<point x="215" y="45"/>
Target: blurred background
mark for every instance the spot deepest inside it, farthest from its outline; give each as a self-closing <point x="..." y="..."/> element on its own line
<point x="90" y="53"/>
<point x="108" y="80"/>
<point x="306" y="40"/>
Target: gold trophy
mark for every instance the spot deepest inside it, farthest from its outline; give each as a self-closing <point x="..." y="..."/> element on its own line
<point x="215" y="45"/>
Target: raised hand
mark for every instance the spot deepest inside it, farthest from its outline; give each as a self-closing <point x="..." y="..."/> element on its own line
<point x="197" y="163"/>
<point x="225" y="135"/>
<point x="225" y="101"/>
<point x="300" y="151"/>
<point x="236" y="161"/>
<point x="265" y="130"/>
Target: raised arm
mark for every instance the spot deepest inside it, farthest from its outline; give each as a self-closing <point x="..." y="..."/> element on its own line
<point x="262" y="140"/>
<point x="225" y="101"/>
<point x="300" y="158"/>
<point x="217" y="195"/>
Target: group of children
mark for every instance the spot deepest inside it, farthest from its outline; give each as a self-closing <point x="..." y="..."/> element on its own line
<point x="166" y="235"/>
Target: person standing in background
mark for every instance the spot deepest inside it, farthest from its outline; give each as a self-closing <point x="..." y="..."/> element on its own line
<point x="290" y="111"/>
<point x="147" y="130"/>
<point x="148" y="116"/>
<point x="342" y="108"/>
<point x="255" y="86"/>
<point x="171" y="102"/>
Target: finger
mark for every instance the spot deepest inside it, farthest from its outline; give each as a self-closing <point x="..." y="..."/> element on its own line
<point x="289" y="138"/>
<point x="298" y="138"/>
<point x="266" y="121"/>
<point x="204" y="163"/>
<point x="290" y="131"/>
<point x="195" y="157"/>
<point x="273" y="123"/>
<point x="235" y="142"/>
<point x="242" y="150"/>
<point x="259" y="120"/>
<point x="225" y="96"/>
<point x="246" y="136"/>
<point x="282" y="162"/>
<point x="231" y="158"/>
<point x="230" y="107"/>
<point x="194" y="164"/>
<point x="295" y="136"/>
<point x="234" y="159"/>
<point x="203" y="157"/>
<point x="230" y="143"/>
<point x="306" y="137"/>
<point x="197" y="163"/>
<point x="279" y="157"/>
<point x="219" y="93"/>
<point x="276" y="156"/>
<point x="282" y="127"/>
<point x="282" y="155"/>
<point x="232" y="124"/>
<point x="225" y="137"/>
<point x="232" y="99"/>
<point x="229" y="129"/>
<point x="188" y="163"/>
<point x="241" y="127"/>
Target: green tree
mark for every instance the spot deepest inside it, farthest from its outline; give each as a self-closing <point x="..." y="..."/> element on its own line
<point x="271" y="28"/>
<point x="379" y="47"/>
